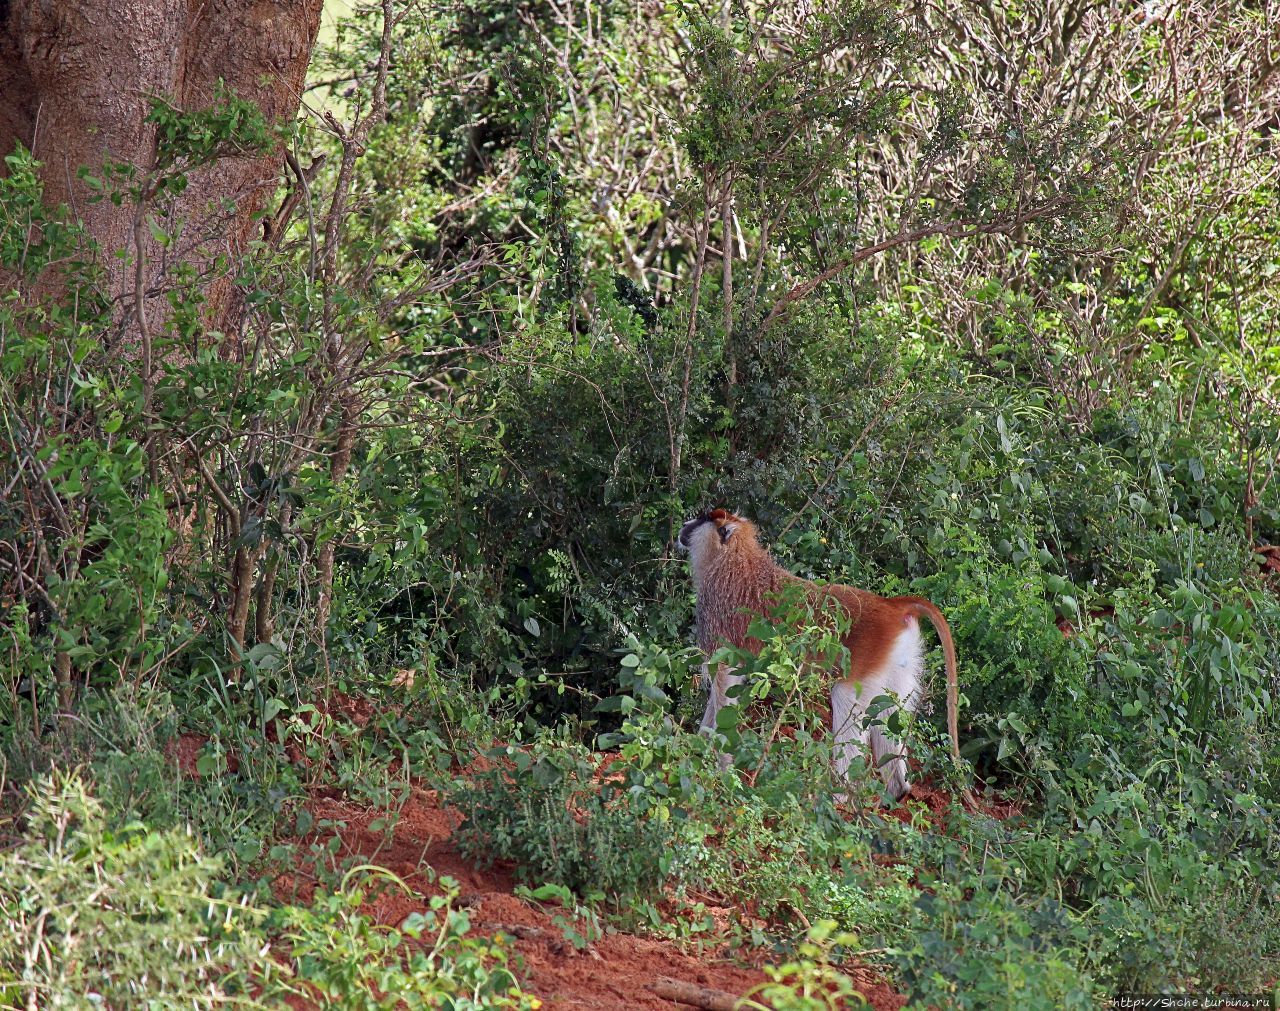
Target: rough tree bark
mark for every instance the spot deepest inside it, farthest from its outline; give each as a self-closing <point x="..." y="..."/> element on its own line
<point x="76" y="82"/>
<point x="75" y="78"/>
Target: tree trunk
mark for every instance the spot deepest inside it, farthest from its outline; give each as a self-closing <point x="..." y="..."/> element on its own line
<point x="338" y="463"/>
<point x="75" y="79"/>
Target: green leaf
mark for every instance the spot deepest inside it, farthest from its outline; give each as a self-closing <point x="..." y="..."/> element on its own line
<point x="264" y="654"/>
<point x="559" y="893"/>
<point x="727" y="718"/>
<point x="157" y="233"/>
<point x="1006" y="444"/>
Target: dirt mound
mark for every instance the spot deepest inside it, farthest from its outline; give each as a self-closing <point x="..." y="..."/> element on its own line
<point x="614" y="973"/>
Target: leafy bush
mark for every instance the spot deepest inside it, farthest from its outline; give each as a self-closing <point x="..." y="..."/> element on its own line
<point x="71" y="471"/>
<point x="128" y="917"/>
<point x="544" y="809"/>
<point x="763" y="834"/>
<point x="458" y="443"/>
<point x="123" y="742"/>
<point x="989" y="952"/>
<point x="136" y="917"/>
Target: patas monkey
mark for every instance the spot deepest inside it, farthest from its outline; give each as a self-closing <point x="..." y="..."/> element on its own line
<point x="736" y="579"/>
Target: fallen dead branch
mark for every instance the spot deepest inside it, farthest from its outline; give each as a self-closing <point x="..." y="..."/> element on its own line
<point x="698" y="996"/>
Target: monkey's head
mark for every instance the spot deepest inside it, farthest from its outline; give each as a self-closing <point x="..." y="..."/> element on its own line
<point x="710" y="533"/>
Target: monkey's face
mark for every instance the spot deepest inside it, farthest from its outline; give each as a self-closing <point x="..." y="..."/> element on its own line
<point x="706" y="534"/>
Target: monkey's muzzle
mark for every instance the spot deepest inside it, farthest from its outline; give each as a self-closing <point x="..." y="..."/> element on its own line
<point x="687" y="530"/>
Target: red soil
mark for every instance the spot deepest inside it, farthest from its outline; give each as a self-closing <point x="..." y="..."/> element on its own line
<point x="616" y="972"/>
<point x="1068" y="629"/>
<point x="184" y="751"/>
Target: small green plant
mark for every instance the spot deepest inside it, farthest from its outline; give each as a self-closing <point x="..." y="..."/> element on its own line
<point x="345" y="961"/>
<point x="989" y="952"/>
<point x="578" y="923"/>
<point x="799" y="645"/>
<point x="764" y="836"/>
<point x="810" y="981"/>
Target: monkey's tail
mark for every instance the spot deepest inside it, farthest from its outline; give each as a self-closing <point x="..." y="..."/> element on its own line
<point x="928" y="609"/>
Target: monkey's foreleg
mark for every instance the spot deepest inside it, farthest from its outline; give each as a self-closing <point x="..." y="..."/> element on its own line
<point x="717" y="698"/>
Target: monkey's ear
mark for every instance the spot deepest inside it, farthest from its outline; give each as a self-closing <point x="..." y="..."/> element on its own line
<point x="726" y="531"/>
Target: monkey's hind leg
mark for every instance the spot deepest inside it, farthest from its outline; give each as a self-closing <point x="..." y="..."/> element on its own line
<point x="890" y="756"/>
<point x="849" y="705"/>
<point x="900" y="680"/>
<point x="850" y="738"/>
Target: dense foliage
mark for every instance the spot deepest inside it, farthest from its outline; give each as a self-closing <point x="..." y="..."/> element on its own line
<point x="971" y="302"/>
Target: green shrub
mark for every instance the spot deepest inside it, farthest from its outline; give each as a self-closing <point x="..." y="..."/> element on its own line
<point x="127" y="918"/>
<point x="1026" y="685"/>
<point x="763" y="835"/>
<point x="988" y="952"/>
<point x="544" y="809"/>
<point x="122" y="739"/>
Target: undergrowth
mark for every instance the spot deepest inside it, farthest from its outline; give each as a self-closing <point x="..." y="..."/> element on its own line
<point x="409" y="526"/>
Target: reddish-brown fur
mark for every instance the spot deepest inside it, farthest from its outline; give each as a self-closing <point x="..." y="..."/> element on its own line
<point x="735" y="578"/>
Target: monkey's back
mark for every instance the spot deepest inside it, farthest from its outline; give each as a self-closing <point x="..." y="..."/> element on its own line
<point x="876" y="625"/>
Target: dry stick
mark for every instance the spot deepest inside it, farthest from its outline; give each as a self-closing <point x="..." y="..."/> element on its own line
<point x="853" y="448"/>
<point x="61" y="658"/>
<point x="757" y="271"/>
<point x="338" y="464"/>
<point x="140" y="311"/>
<point x="726" y="260"/>
<point x="264" y="622"/>
<point x="244" y="561"/>
<point x="352" y="146"/>
<point x="233" y="514"/>
<point x="243" y="565"/>
<point x="1162" y="283"/>
<point x="302" y="191"/>
<point x="773" y="733"/>
<point x="698" y="996"/>
<point x="726" y="264"/>
<point x="704" y="234"/>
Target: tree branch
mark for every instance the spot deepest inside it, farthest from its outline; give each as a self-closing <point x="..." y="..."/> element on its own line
<point x="957" y="230"/>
